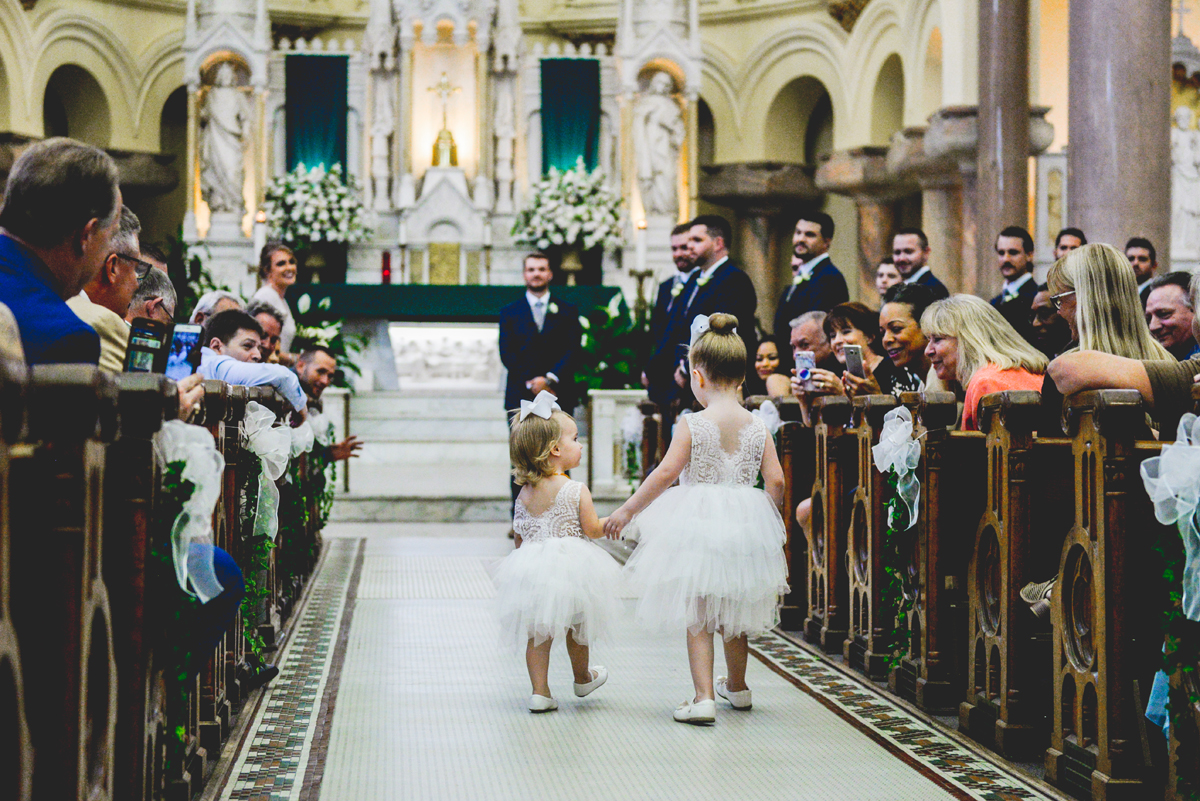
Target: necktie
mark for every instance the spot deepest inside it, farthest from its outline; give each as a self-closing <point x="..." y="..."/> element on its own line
<point x="539" y="313"/>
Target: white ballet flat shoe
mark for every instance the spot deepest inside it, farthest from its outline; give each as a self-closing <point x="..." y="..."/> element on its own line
<point x="739" y="700"/>
<point x="540" y="703"/>
<point x="698" y="713"/>
<point x="600" y="674"/>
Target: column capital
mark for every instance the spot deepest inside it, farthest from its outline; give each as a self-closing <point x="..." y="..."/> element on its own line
<point x="765" y="186"/>
<point x="862" y="173"/>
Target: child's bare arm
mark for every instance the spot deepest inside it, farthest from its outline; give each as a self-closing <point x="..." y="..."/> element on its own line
<point x="656" y="483"/>
<point x="591" y="524"/>
<point x="772" y="473"/>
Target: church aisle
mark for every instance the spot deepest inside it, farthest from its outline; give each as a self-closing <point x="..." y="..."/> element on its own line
<point x="426" y="705"/>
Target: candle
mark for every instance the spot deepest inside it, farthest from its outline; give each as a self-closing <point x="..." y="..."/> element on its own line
<point x="402" y="237"/>
<point x="639" y="239"/>
<point x="487" y="234"/>
<point x="260" y="236"/>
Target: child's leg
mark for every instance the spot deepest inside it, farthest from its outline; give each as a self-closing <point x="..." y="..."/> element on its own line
<point x="579" y="655"/>
<point x="537" y="659"/>
<point x="736" y="651"/>
<point x="700" y="659"/>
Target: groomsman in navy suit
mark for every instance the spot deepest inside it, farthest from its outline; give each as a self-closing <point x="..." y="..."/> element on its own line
<point x="910" y="254"/>
<point x="539" y="339"/>
<point x="1014" y="259"/>
<point x="659" y="375"/>
<point x="816" y="284"/>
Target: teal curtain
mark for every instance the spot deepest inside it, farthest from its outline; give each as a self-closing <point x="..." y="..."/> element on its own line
<point x="316" y="110"/>
<point x="570" y="112"/>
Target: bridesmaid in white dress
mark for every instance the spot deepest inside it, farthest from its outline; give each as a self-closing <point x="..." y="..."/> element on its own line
<point x="710" y="551"/>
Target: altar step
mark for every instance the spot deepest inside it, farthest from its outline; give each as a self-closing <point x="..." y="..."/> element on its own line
<point x="428" y="456"/>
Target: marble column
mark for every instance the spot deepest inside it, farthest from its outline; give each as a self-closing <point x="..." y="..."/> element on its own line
<point x="1119" y="159"/>
<point x="876" y="227"/>
<point x="1003" y="145"/>
<point x="758" y="256"/>
<point x="942" y="221"/>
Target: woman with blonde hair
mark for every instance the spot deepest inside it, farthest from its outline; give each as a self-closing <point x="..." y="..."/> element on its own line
<point x="975" y="350"/>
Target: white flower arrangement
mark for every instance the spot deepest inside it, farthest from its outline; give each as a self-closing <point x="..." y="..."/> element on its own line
<point x="317" y="205"/>
<point x="321" y="335"/>
<point x="572" y="208"/>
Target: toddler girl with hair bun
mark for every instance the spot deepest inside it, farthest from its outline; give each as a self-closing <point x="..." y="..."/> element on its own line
<point x="556" y="584"/>
<point x="710" y="551"/>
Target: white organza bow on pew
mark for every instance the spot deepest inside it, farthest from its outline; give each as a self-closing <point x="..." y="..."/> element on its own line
<point x="769" y="414"/>
<point x="203" y="466"/>
<point x="322" y="427"/>
<point x="303" y="437"/>
<point x="897" y="450"/>
<point x="273" y="447"/>
<point x="1173" y="483"/>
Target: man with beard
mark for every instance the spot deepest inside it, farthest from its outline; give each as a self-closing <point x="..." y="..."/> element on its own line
<point x="659" y="375"/>
<point x="910" y="254"/>
<point x="1141" y="254"/>
<point x="817" y="285"/>
<point x="1014" y="255"/>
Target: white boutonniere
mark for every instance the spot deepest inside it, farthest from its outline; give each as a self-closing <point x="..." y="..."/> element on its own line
<point x="553" y="307"/>
<point x="800" y="279"/>
<point x="677" y="290"/>
<point x="703" y="281"/>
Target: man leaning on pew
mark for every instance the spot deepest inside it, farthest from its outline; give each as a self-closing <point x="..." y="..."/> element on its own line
<point x="1166" y="386"/>
<point x="232" y="353"/>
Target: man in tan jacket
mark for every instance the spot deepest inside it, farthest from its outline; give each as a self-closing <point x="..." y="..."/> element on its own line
<point x="105" y="299"/>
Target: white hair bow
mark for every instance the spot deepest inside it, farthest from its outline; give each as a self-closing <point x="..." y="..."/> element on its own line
<point x="543" y="406"/>
<point x="699" y="326"/>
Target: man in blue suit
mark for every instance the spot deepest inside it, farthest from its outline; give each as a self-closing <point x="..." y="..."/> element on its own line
<point x="539" y="339"/>
<point x="910" y="254"/>
<point x="816" y="284"/>
<point x="1014" y="259"/>
<point x="659" y="375"/>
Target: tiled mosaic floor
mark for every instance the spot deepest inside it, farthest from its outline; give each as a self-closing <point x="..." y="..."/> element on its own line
<point x="889" y="723"/>
<point x="272" y="766"/>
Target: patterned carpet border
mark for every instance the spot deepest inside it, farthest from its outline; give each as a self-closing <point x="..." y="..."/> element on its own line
<point x="946" y="762"/>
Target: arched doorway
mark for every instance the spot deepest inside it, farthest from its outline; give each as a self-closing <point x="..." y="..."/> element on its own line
<point x="161" y="215"/>
<point x="887" y="104"/>
<point x="799" y="124"/>
<point x="931" y="85"/>
<point x="75" y="105"/>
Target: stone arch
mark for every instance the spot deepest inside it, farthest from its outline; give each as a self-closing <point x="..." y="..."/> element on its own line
<point x="76" y="105"/>
<point x="887" y="101"/>
<point x="877" y="36"/>
<point x="718" y="87"/>
<point x="706" y="134"/>
<point x="162" y="76"/>
<point x="162" y="214"/>
<point x="930" y="97"/>
<point x="799" y="122"/>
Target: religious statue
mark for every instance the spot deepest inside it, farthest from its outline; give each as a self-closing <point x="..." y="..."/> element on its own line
<point x="659" y="134"/>
<point x="225" y="121"/>
<point x="1185" y="185"/>
<point x="382" y="126"/>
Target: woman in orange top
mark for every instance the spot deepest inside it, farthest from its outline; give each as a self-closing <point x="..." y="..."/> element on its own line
<point x="975" y="351"/>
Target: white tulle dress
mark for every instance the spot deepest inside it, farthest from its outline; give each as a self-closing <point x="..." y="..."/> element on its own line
<point x="558" y="580"/>
<point x="710" y="551"/>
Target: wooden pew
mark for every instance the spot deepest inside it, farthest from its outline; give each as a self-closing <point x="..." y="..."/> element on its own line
<point x="797" y="457"/>
<point x="862" y="648"/>
<point x="826" y="623"/>
<point x="58" y="597"/>
<point x="1008" y="661"/>
<point x="16" y="748"/>
<point x="953" y="476"/>
<point x="1105" y="606"/>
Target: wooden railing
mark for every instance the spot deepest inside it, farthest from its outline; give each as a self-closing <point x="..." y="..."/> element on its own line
<point x="92" y="700"/>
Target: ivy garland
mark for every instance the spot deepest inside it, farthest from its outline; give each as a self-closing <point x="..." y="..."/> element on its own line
<point x="1181" y="655"/>
<point x="895" y="594"/>
<point x="257" y="572"/>
<point x="172" y="608"/>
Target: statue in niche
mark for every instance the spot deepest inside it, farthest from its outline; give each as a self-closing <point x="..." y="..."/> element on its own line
<point x="225" y="121"/>
<point x="659" y="133"/>
<point x="1185" y="184"/>
<point x="382" y="126"/>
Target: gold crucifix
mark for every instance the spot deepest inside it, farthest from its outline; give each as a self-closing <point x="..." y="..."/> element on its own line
<point x="445" y="152"/>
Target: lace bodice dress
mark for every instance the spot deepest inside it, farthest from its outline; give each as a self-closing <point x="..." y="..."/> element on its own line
<point x="711" y="464"/>
<point x="558" y="580"/>
<point x="710" y="551"/>
<point x="560" y="520"/>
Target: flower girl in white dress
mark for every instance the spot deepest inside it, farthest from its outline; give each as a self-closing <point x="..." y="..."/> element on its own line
<point x="710" y="552"/>
<point x="556" y="584"/>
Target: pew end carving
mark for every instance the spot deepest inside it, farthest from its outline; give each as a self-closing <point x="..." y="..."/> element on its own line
<point x="825" y="625"/>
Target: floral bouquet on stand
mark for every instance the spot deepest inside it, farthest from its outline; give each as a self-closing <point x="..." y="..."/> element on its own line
<point x="318" y="205"/>
<point x="570" y="211"/>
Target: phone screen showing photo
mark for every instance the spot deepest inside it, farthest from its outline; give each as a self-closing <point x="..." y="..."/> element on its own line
<point x="184" y="356"/>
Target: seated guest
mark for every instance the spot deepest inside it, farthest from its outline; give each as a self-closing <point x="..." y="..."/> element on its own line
<point x="1050" y="332"/>
<point x="1170" y="314"/>
<point x="214" y="302"/>
<point x="61" y="209"/>
<point x="974" y="350"/>
<point x="104" y="302"/>
<point x="808" y="333"/>
<point x="154" y="299"/>
<point x="1067" y="240"/>
<point x="271" y="321"/>
<point x="233" y="352"/>
<point x="315" y="368"/>
<point x="901" y="337"/>
<point x="1096" y="294"/>
<point x="768" y="377"/>
<point x="855" y="324"/>
<point x="277" y="269"/>
<point x="886" y="276"/>
<point x="1143" y="258"/>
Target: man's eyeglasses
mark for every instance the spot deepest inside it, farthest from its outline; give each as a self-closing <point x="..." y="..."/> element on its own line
<point x="140" y="268"/>
<point x="1058" y="299"/>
